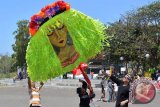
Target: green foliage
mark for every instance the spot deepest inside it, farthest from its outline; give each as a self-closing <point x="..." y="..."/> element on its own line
<point x="21" y="41"/>
<point x="136" y="34"/>
<point x="7" y="75"/>
<point x="5" y="63"/>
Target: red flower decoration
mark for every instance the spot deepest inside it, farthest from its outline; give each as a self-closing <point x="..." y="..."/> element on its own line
<point x="46" y="12"/>
<point x="33" y="25"/>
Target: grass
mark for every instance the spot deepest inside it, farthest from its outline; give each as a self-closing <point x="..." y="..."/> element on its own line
<point x="7" y="75"/>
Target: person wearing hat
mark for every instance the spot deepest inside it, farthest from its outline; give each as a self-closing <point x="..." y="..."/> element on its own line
<point x="123" y="89"/>
<point x="83" y="94"/>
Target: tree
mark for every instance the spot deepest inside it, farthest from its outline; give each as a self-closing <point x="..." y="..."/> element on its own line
<point x="5" y="63"/>
<point x="137" y="33"/>
<point x="19" y="47"/>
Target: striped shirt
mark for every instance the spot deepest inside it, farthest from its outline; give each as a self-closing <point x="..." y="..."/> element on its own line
<point x="35" y="98"/>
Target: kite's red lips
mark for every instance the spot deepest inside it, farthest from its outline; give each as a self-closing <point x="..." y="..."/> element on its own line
<point x="61" y="41"/>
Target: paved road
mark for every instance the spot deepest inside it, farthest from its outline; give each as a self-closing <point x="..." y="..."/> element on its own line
<point x="55" y="97"/>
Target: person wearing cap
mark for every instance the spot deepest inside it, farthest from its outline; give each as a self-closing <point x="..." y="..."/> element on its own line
<point x="83" y="94"/>
<point x="123" y="89"/>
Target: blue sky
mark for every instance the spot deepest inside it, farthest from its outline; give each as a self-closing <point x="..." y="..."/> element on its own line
<point x="11" y="11"/>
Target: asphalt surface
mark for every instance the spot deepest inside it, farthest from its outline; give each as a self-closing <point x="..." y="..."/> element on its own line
<point x="56" y="97"/>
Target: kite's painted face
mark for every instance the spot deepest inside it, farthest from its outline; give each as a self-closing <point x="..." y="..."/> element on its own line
<point x="58" y="34"/>
<point x="59" y="38"/>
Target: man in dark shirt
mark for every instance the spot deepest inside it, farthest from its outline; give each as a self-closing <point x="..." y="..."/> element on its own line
<point x="83" y="95"/>
<point x="123" y="90"/>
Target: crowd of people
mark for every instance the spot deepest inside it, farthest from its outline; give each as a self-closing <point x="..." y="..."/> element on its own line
<point x="113" y="89"/>
<point x="117" y="90"/>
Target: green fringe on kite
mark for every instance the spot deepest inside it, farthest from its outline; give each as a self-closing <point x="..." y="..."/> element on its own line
<point x="88" y="37"/>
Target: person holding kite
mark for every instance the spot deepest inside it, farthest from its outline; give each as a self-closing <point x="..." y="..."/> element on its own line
<point x="34" y="93"/>
<point x="83" y="95"/>
<point x="61" y="39"/>
<point x="123" y="89"/>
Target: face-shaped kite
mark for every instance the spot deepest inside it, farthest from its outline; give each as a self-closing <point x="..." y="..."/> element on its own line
<point x="62" y="38"/>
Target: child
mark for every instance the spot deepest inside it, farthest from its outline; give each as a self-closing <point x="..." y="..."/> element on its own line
<point x="34" y="93"/>
<point x="83" y="95"/>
